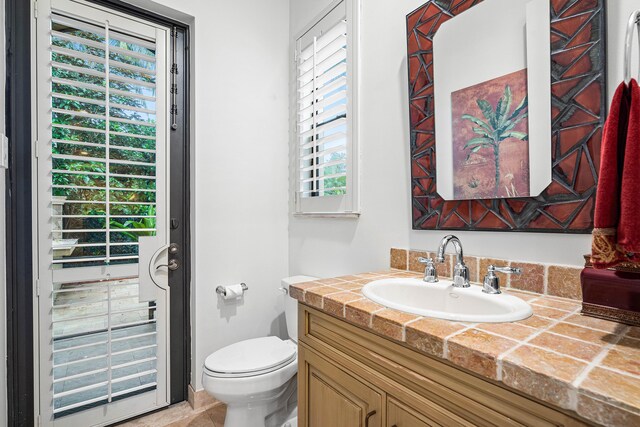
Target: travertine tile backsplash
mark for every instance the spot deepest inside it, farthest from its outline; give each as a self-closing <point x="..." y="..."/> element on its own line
<point x="547" y="279"/>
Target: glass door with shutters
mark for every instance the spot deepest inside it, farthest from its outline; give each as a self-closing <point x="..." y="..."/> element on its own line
<point x="102" y="214"/>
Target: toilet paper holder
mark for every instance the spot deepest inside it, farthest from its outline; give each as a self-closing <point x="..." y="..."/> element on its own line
<point x="220" y="290"/>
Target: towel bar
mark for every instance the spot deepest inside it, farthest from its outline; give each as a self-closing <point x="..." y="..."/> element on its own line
<point x="634" y="21"/>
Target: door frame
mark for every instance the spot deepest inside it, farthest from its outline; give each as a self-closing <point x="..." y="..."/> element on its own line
<point x="22" y="329"/>
<point x="180" y="199"/>
<point x="19" y="245"/>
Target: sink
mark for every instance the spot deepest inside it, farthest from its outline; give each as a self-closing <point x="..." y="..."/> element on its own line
<point x="444" y="301"/>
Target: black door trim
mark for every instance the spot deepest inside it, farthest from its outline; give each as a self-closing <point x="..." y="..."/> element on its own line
<point x="20" y="351"/>
<point x="180" y="195"/>
<point x="19" y="210"/>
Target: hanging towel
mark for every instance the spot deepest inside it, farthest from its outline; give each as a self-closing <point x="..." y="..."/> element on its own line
<point x="629" y="224"/>
<point x="604" y="253"/>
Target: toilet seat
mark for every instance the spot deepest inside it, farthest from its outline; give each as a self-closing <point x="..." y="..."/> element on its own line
<point x="251" y="357"/>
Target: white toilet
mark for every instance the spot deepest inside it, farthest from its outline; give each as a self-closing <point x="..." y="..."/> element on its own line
<point x="256" y="378"/>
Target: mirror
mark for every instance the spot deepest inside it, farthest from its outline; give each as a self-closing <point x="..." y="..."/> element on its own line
<point x="578" y="107"/>
<point x="493" y="101"/>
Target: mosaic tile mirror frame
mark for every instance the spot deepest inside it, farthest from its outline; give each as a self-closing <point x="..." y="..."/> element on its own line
<point x="578" y="77"/>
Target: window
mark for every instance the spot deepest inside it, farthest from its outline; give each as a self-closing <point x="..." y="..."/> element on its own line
<point x="326" y="136"/>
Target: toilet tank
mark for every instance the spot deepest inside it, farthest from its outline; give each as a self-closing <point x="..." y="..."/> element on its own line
<point x="291" y="305"/>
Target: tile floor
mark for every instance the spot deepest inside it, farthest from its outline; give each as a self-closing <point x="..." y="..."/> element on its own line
<point x="181" y="415"/>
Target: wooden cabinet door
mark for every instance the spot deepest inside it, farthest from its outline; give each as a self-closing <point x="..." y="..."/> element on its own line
<point x="401" y="414"/>
<point x="333" y="398"/>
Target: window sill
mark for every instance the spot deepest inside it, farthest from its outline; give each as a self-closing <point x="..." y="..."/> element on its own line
<point x="343" y="215"/>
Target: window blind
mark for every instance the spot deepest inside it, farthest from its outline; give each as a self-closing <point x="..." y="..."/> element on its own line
<point x="323" y="105"/>
<point x="103" y="88"/>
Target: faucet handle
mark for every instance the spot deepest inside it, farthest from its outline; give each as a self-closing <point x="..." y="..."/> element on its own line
<point x="506" y="270"/>
<point x="491" y="284"/>
<point x="430" y="272"/>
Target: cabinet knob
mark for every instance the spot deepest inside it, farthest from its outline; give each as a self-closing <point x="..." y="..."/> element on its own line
<point x="369" y="415"/>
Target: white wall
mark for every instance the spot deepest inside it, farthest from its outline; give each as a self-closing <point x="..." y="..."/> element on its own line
<point x="240" y="82"/>
<point x="326" y="247"/>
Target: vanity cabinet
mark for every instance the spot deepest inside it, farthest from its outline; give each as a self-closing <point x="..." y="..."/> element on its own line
<point x="398" y="415"/>
<point x="336" y="398"/>
<point x="350" y="377"/>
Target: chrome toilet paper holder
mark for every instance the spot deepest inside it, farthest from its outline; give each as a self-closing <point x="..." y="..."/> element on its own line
<point x="220" y="290"/>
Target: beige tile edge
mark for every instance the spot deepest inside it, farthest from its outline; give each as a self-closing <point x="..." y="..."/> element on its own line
<point x="200" y="399"/>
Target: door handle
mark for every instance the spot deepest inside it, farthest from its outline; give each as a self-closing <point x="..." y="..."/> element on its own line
<point x="153" y="268"/>
<point x="173" y="265"/>
<point x="369" y="415"/>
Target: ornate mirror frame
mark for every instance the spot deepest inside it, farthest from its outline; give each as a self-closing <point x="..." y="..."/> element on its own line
<point x="578" y="86"/>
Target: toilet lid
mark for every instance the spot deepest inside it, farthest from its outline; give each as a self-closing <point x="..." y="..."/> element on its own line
<point x="249" y="356"/>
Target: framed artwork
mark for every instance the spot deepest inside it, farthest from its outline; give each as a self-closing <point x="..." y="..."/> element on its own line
<point x="495" y="186"/>
<point x="491" y="139"/>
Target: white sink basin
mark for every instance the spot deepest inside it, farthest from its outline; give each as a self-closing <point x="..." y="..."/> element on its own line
<point x="443" y="301"/>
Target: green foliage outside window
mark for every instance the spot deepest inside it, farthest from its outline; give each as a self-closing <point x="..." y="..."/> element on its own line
<point x="90" y="153"/>
<point x="336" y="186"/>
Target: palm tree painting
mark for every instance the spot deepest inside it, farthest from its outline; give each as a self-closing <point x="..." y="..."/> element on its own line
<point x="491" y="140"/>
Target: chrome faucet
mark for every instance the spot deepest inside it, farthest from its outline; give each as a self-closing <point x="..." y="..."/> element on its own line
<point x="430" y="272"/>
<point x="460" y="271"/>
<point x="491" y="284"/>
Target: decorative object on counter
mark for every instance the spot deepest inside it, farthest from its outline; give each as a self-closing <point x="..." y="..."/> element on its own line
<point x="616" y="237"/>
<point x="232" y="292"/>
<point x="578" y="87"/>
<point x="611" y="295"/>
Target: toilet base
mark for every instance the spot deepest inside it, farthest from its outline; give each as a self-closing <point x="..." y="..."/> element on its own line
<point x="241" y="416"/>
<point x="273" y="411"/>
<point x="293" y="421"/>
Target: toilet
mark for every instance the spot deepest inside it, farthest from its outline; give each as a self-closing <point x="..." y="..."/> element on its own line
<point x="256" y="378"/>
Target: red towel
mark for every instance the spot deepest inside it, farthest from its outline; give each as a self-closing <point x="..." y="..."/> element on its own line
<point x="629" y="224"/>
<point x="604" y="253"/>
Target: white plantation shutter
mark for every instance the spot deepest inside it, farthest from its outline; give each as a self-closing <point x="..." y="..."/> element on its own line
<point x="103" y="91"/>
<point x="325" y="143"/>
<point x="103" y="172"/>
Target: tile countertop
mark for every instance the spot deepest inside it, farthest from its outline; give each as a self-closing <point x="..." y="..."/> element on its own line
<point x="583" y="364"/>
